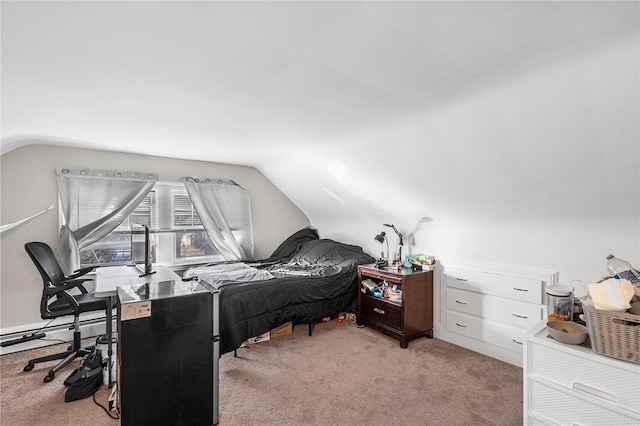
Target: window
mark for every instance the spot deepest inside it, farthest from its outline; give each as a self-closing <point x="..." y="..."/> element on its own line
<point x="178" y="236"/>
<point x="115" y="248"/>
<point x="194" y="245"/>
<point x="183" y="212"/>
<point x="191" y="242"/>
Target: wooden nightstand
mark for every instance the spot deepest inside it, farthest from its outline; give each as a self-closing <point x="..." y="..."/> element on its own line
<point x="405" y="319"/>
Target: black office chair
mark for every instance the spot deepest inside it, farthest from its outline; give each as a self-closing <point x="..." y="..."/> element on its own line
<point x="57" y="301"/>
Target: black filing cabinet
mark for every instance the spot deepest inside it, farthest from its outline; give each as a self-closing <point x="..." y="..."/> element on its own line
<point x="168" y="350"/>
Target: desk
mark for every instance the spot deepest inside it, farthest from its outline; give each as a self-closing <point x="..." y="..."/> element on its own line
<point x="109" y="278"/>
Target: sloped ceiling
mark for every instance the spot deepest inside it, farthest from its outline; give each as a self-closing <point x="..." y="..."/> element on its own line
<point x="361" y="112"/>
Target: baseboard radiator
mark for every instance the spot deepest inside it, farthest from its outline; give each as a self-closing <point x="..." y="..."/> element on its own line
<point x="54" y="333"/>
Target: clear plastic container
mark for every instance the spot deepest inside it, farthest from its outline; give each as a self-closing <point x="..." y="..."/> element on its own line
<point x="615" y="265"/>
<point x="560" y="302"/>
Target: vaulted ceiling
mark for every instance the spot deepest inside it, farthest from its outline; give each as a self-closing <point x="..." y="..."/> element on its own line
<point x="524" y="109"/>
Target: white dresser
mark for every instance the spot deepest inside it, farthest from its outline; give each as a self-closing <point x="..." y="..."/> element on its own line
<point x="572" y="385"/>
<point x="489" y="308"/>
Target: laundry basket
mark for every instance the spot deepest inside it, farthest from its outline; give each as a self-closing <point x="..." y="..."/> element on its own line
<point x="614" y="334"/>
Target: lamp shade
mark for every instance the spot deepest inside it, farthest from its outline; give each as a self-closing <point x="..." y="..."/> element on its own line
<point x="380" y="237"/>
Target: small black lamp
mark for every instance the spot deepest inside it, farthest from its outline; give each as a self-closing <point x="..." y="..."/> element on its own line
<point x="381" y="238"/>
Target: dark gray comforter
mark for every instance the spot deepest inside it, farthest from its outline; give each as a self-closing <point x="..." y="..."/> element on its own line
<point x="306" y="278"/>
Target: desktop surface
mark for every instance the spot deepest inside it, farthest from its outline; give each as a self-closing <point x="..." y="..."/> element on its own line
<point x="109" y="278"/>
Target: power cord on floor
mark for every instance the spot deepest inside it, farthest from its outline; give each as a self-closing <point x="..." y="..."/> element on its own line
<point x="50" y="340"/>
<point x="54" y="340"/>
<point x="105" y="408"/>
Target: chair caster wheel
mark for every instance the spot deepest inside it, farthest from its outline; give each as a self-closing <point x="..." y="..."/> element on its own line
<point x="49" y="377"/>
<point x="28" y="367"/>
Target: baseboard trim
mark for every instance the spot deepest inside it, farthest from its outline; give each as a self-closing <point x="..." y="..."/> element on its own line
<point x="484" y="348"/>
<point x="54" y="335"/>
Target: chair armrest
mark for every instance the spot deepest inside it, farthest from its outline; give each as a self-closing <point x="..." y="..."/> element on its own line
<point x="77" y="283"/>
<point x="74" y="307"/>
<point x="80" y="272"/>
<point x="66" y="285"/>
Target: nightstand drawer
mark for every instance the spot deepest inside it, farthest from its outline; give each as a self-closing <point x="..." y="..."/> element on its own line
<point x="382" y="312"/>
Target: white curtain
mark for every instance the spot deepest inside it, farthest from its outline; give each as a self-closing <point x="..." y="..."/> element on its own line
<point x="94" y="203"/>
<point x="224" y="208"/>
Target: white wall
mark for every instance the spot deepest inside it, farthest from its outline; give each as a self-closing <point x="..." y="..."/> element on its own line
<point x="531" y="167"/>
<point x="29" y="185"/>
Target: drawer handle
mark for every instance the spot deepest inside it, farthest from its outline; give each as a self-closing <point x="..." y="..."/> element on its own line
<point x="460" y="279"/>
<point x="520" y="289"/>
<point x="461" y="325"/>
<point x="462" y="303"/>
<point x="515" y="341"/>
<point x="378" y="311"/>
<point x="520" y="316"/>
<point x="581" y="387"/>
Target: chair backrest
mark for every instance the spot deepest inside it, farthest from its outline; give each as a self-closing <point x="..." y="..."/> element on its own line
<point x="47" y="264"/>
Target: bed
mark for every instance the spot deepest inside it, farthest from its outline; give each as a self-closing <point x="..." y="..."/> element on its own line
<point x="306" y="278"/>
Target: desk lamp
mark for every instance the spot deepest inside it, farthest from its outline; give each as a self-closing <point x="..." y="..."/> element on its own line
<point x="400" y="243"/>
<point x="381" y="237"/>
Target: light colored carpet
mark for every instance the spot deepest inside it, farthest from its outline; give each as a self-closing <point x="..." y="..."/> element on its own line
<point x="341" y="375"/>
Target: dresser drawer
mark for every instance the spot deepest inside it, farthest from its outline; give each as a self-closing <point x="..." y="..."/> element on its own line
<point x="382" y="312"/>
<point x="565" y="408"/>
<point x="506" y="311"/>
<point x="517" y="288"/>
<point x="618" y="387"/>
<point x="507" y="337"/>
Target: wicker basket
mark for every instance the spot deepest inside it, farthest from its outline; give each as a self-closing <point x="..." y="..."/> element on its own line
<point x="614" y="334"/>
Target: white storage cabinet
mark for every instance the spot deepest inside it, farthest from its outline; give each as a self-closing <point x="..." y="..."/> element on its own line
<point x="572" y="385"/>
<point x="490" y="308"/>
